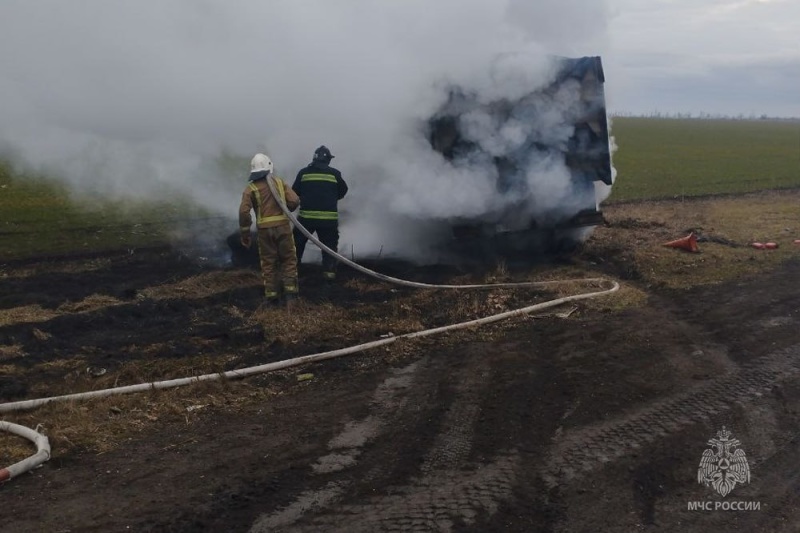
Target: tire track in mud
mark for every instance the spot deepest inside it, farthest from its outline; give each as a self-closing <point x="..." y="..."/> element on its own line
<point x="447" y="491"/>
<point x="390" y="398"/>
<point x="454" y="443"/>
<point x="436" y="502"/>
<point x="578" y="452"/>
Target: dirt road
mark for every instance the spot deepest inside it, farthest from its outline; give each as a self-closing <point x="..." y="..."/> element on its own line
<point x="597" y="422"/>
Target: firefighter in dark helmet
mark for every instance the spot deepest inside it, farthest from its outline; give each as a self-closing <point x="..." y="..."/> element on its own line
<point x="320" y="187"/>
<point x="275" y="241"/>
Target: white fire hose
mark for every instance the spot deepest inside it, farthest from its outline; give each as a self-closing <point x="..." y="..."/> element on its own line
<point x="613" y="286"/>
<point x="42" y="450"/>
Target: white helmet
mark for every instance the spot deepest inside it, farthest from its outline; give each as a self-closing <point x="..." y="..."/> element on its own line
<point x="260" y="163"/>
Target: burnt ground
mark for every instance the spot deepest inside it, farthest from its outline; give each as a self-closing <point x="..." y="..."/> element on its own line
<point x="592" y="423"/>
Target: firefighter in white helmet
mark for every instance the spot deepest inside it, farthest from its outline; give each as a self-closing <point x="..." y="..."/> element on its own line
<point x="276" y="246"/>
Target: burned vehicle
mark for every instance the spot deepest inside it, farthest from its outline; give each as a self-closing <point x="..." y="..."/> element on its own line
<point x="559" y="149"/>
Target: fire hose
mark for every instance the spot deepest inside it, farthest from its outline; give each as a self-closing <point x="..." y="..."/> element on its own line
<point x="42" y="450"/>
<point x="612" y="286"/>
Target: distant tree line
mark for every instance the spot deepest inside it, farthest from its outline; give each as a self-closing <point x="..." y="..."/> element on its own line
<point x="699" y="116"/>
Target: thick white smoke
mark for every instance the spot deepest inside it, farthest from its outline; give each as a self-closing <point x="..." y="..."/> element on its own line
<point x="138" y="99"/>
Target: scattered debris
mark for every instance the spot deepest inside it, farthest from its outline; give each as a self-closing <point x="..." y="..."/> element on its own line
<point x="688" y="243"/>
<point x="195" y="407"/>
<point x="304" y="377"/>
<point x="175" y="445"/>
<point x="567" y="313"/>
<point x="717" y="240"/>
<point x="95" y="371"/>
<point x="764" y="246"/>
<point x="387" y="335"/>
<point x="40" y="335"/>
<point x="563" y="314"/>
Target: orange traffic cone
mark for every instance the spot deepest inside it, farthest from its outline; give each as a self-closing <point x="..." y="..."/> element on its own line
<point x="688" y="243"/>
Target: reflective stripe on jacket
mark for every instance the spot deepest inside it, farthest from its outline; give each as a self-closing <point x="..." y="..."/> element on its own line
<point x="258" y="197"/>
<point x="318" y="177"/>
<point x="320" y="187"/>
<point x="319" y="215"/>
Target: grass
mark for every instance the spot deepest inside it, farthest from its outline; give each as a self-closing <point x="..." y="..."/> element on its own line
<point x="660" y="158"/>
<point x="101" y="425"/>
<point x="38" y="216"/>
<point x="727" y="226"/>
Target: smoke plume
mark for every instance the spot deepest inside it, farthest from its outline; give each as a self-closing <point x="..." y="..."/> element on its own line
<point x="141" y="100"/>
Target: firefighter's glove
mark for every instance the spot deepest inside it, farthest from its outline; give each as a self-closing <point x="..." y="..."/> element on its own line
<point x="245" y="239"/>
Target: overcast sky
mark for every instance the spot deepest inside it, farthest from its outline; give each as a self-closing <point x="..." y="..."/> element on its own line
<point x="129" y="97"/>
<point x="717" y="56"/>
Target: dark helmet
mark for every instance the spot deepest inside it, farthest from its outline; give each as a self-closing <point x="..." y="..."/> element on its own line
<point x="322" y="154"/>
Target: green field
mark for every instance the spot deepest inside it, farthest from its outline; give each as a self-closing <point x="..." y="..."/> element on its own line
<point x="684" y="157"/>
<point x="656" y="158"/>
<point x="39" y="217"/>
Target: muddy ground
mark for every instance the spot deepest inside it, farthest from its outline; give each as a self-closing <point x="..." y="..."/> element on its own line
<point x="595" y="422"/>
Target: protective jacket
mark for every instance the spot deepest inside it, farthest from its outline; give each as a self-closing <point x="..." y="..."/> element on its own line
<point x="258" y="197"/>
<point x="320" y="187"/>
